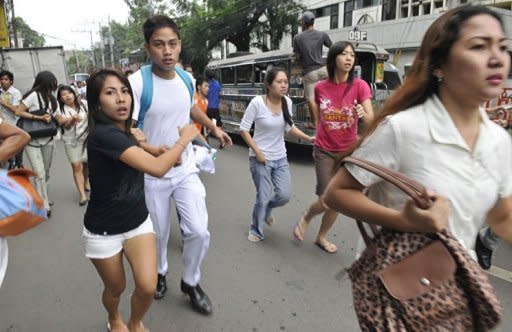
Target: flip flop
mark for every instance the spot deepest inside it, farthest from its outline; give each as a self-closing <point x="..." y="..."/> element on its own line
<point x="325" y="247"/>
<point x="254" y="238"/>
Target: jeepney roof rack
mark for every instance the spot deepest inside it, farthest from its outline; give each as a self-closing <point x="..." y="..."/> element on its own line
<point x="380" y="52"/>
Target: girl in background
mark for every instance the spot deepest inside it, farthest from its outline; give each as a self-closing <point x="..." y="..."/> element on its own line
<point x="272" y="118"/>
<point x="40" y="150"/>
<point x="340" y="101"/>
<point x="72" y="117"/>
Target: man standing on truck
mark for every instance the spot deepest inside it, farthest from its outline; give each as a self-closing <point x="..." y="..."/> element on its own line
<point x="307" y="47"/>
<point x="10" y="98"/>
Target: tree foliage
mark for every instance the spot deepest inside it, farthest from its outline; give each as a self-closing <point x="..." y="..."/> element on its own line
<point x="30" y="37"/>
<point x="240" y="22"/>
<point x="204" y="24"/>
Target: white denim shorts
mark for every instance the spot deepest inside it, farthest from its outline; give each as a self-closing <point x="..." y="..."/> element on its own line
<point x="105" y="246"/>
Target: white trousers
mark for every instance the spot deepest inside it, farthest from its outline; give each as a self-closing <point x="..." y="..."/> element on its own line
<point x="189" y="196"/>
<point x="41" y="160"/>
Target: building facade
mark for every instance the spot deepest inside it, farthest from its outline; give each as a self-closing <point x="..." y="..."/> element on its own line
<point x="396" y="25"/>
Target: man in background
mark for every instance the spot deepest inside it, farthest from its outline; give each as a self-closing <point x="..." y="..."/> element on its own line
<point x="307" y="47"/>
<point x="214" y="93"/>
<point x="10" y="98"/>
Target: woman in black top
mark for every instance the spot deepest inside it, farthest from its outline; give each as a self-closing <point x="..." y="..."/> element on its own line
<point x="116" y="221"/>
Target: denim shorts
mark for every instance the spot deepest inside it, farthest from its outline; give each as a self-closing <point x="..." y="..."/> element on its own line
<point x="105" y="246"/>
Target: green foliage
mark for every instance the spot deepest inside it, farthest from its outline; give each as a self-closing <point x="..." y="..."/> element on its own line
<point x="30" y="37"/>
<point x="237" y="21"/>
<point x="79" y="62"/>
<point x="204" y="24"/>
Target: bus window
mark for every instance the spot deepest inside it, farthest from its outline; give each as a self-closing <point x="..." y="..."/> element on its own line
<point x="259" y="72"/>
<point x="391" y="76"/>
<point x="367" y="63"/>
<point x="244" y="74"/>
<point x="228" y="75"/>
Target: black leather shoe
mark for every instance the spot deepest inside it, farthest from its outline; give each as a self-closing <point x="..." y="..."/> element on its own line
<point x="161" y="287"/>
<point x="198" y="298"/>
<point x="483" y="254"/>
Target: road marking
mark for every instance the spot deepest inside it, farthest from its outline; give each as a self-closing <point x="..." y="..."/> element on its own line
<point x="498" y="272"/>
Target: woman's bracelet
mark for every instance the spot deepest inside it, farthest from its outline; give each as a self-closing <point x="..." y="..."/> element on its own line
<point x="180" y="143"/>
<point x="32" y="117"/>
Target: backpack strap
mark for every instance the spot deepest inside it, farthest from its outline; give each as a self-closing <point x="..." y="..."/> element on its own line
<point x="185" y="77"/>
<point x="147" y="90"/>
<point x="147" y="94"/>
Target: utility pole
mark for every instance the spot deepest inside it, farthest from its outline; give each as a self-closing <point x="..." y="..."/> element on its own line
<point x="77" y="62"/>
<point x="13" y="20"/>
<point x="102" y="43"/>
<point x="90" y="31"/>
<point x="111" y="42"/>
<point x="92" y="50"/>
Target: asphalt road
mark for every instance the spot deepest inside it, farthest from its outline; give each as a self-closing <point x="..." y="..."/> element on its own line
<point x="274" y="285"/>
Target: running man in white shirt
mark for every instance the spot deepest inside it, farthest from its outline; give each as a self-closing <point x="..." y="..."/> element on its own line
<point x="171" y="108"/>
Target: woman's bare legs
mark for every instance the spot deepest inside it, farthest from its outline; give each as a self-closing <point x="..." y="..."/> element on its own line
<point x="111" y="271"/>
<point x="141" y="254"/>
<point x="328" y="219"/>
<point x="78" y="176"/>
<point x="87" y="185"/>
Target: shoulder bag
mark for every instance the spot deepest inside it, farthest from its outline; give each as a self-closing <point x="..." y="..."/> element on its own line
<point x="418" y="281"/>
<point x="37" y="128"/>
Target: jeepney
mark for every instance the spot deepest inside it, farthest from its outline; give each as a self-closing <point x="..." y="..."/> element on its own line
<point x="242" y="78"/>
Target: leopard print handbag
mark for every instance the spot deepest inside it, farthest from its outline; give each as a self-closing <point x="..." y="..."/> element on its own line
<point x="417" y="281"/>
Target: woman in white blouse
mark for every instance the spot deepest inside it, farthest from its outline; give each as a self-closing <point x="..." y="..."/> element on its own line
<point x="434" y="130"/>
<point x="72" y="117"/>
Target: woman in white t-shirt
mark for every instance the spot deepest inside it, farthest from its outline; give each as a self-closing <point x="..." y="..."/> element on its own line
<point x="40" y="150"/>
<point x="433" y="130"/>
<point x="72" y="117"/>
<point x="272" y="119"/>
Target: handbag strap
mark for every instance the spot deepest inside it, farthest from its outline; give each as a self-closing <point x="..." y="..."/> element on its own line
<point x="412" y="188"/>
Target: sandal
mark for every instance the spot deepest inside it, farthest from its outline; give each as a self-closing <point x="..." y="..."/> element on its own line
<point x="254" y="238"/>
<point x="298" y="231"/>
<point x="327" y="246"/>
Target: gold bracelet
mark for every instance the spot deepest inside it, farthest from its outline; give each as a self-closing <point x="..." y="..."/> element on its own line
<point x="33" y="117"/>
<point x="180" y="143"/>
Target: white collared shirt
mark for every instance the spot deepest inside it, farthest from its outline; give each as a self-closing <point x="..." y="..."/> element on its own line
<point x="13" y="97"/>
<point x="424" y="144"/>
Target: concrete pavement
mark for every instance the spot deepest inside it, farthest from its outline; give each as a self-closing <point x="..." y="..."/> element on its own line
<point x="275" y="285"/>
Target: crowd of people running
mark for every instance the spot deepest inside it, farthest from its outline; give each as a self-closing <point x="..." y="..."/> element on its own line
<point x="134" y="155"/>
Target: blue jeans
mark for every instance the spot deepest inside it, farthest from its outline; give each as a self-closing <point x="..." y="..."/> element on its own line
<point x="273" y="189"/>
